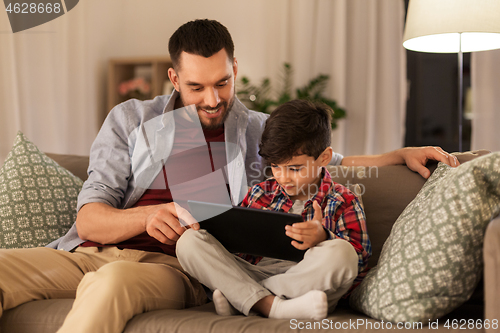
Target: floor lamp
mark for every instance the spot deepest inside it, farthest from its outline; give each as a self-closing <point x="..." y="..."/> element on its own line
<point x="453" y="26"/>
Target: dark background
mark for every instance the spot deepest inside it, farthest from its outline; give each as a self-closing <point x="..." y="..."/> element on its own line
<point x="432" y="105"/>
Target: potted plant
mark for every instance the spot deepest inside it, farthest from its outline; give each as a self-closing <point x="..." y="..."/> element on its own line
<point x="259" y="98"/>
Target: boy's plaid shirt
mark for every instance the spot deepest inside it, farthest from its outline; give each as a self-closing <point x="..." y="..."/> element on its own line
<point x="343" y="216"/>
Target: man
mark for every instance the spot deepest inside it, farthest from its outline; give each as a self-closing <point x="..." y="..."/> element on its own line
<point x="119" y="256"/>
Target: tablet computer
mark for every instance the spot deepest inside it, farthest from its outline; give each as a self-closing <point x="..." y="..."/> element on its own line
<point x="248" y="230"/>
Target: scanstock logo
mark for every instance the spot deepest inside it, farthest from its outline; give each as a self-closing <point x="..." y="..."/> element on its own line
<point x="24" y="15"/>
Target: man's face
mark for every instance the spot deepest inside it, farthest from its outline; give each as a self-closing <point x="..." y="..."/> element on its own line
<point x="208" y="83"/>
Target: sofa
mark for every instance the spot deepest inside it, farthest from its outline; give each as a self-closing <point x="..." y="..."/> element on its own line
<point x="386" y="191"/>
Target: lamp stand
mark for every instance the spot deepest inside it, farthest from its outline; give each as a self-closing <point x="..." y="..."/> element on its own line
<point x="460" y="91"/>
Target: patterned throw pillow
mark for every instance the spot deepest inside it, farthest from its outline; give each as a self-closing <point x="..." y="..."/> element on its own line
<point x="432" y="260"/>
<point x="37" y="197"/>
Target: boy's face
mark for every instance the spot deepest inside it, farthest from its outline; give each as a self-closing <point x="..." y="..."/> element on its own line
<point x="208" y="83"/>
<point x="300" y="177"/>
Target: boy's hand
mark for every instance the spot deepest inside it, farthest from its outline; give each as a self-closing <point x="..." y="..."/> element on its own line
<point x="309" y="233"/>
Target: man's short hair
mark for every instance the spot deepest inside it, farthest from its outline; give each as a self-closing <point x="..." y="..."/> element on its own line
<point x="298" y="127"/>
<point x="200" y="37"/>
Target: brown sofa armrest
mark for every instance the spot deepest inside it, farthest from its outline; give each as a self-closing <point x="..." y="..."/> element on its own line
<point x="77" y="165"/>
<point x="491" y="256"/>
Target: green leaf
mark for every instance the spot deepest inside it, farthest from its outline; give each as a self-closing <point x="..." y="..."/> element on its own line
<point x="260" y="97"/>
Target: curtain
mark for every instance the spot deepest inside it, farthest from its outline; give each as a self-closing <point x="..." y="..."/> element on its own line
<point x="358" y="43"/>
<point x="485" y="76"/>
<point x="45" y="85"/>
<point x="53" y="77"/>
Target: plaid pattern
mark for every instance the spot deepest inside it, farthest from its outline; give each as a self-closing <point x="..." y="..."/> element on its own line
<point x="342" y="212"/>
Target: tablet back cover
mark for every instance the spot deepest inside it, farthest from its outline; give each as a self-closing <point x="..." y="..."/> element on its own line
<point x="248" y="230"/>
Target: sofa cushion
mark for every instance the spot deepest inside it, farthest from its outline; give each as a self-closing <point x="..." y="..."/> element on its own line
<point x="432" y="260"/>
<point x="386" y="192"/>
<point x="75" y="164"/>
<point x="46" y="316"/>
<point x="37" y="197"/>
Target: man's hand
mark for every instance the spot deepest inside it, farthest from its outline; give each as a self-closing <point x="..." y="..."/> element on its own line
<point x="169" y="222"/>
<point x="309" y="233"/>
<point x="416" y="158"/>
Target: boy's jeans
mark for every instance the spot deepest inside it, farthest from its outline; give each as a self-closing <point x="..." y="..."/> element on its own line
<point x="330" y="266"/>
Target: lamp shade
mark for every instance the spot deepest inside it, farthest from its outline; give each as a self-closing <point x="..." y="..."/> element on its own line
<point x="446" y="26"/>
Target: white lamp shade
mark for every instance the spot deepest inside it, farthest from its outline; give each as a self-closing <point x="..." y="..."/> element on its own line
<point x="437" y="25"/>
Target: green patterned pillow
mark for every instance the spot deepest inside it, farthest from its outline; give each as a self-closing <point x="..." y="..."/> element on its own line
<point x="432" y="260"/>
<point x="37" y="197"/>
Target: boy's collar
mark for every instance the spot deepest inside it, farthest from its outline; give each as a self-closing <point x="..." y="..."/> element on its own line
<point x="324" y="187"/>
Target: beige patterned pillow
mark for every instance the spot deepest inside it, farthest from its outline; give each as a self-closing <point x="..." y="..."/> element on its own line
<point x="37" y="197"/>
<point x="432" y="260"/>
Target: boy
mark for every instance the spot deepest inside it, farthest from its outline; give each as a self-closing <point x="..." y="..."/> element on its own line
<point x="296" y="143"/>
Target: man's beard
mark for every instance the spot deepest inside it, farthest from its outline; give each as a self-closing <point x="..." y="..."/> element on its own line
<point x="215" y="123"/>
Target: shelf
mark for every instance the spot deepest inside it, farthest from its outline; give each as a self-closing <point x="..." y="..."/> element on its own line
<point x="154" y="69"/>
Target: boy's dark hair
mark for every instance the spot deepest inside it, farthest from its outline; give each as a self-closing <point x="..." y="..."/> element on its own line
<point x="295" y="128"/>
<point x="200" y="37"/>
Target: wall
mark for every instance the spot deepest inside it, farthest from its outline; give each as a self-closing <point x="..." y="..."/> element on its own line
<point x="75" y="48"/>
<point x="53" y="77"/>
